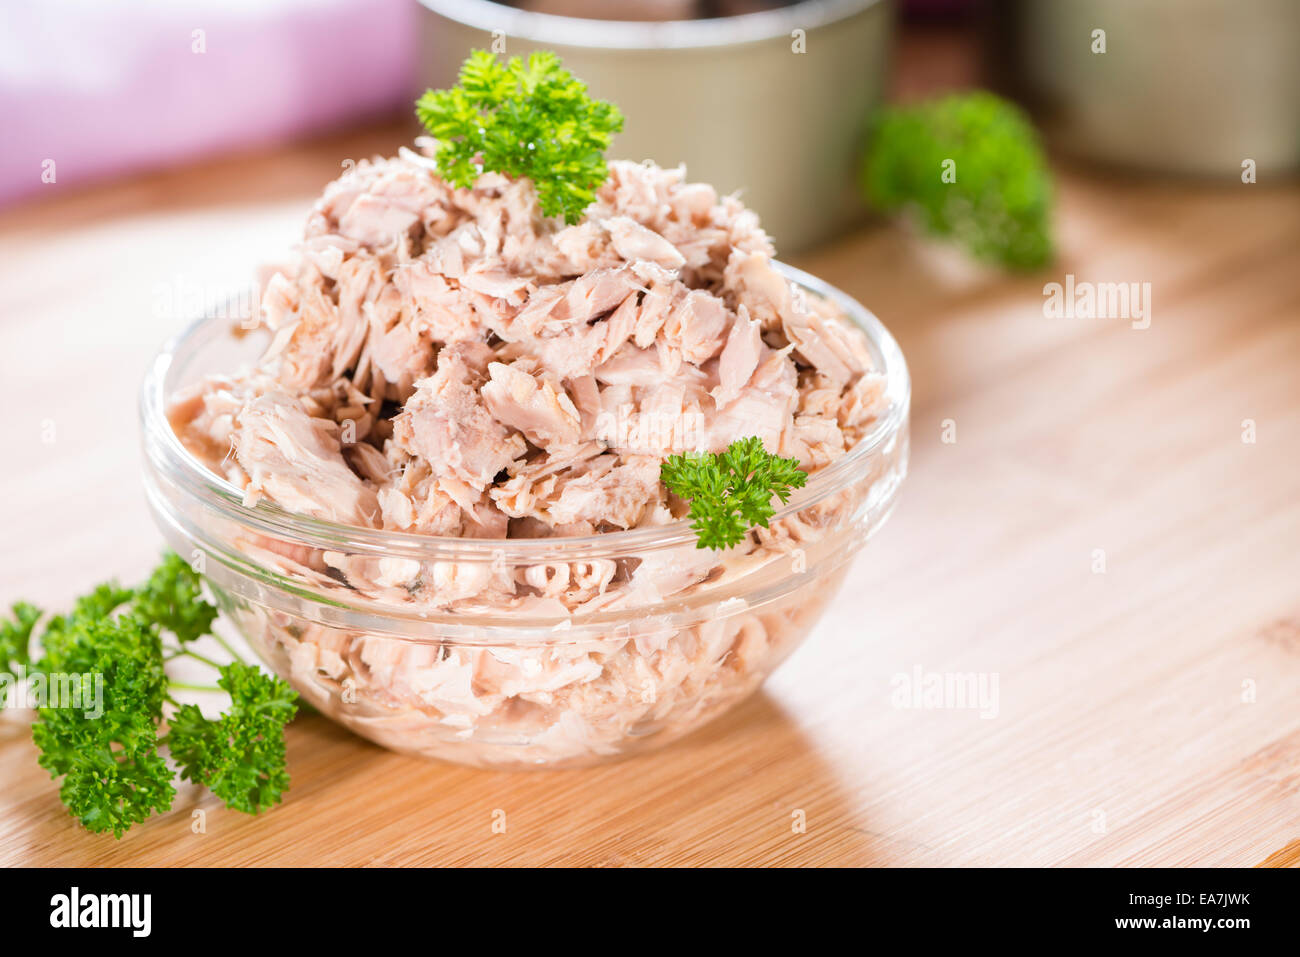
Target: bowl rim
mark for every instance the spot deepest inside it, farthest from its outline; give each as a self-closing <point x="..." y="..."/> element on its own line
<point x="165" y="451"/>
<point x="553" y="30"/>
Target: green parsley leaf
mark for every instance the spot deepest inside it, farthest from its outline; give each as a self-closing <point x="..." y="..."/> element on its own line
<point x="16" y="636"/>
<point x="113" y="775"/>
<point x="108" y="750"/>
<point x="523" y="118"/>
<point x="731" y="492"/>
<point x="15" y="641"/>
<point x="173" y="600"/>
<point x="101" y="602"/>
<point x="999" y="203"/>
<point x="241" y="755"/>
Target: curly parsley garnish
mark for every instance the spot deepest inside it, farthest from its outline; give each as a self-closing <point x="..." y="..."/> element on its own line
<point x="110" y="753"/>
<point x="15" y="638"/>
<point x="731" y="492"/>
<point x="523" y="118"/>
<point x="970" y="166"/>
<point x="240" y="756"/>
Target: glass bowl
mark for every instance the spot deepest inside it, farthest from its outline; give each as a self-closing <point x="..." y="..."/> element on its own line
<point x="381" y="630"/>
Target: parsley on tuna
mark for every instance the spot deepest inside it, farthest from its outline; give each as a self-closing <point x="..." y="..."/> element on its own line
<point x="523" y="118"/>
<point x="731" y="492"/>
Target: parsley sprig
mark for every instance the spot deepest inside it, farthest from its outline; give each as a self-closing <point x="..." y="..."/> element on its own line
<point x="113" y="765"/>
<point x="15" y="639"/>
<point x="523" y="118"/>
<point x="732" y="491"/>
<point x="240" y="756"/>
<point x="971" y="168"/>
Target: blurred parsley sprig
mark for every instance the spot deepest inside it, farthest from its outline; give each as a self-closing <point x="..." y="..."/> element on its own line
<point x="523" y="118"/>
<point x="997" y="202"/>
<point x="112" y="763"/>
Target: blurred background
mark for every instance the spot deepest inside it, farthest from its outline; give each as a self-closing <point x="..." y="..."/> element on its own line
<point x="772" y="98"/>
<point x="1102" y="509"/>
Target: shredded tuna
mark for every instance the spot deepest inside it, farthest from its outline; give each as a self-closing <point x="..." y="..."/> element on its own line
<point x="452" y="363"/>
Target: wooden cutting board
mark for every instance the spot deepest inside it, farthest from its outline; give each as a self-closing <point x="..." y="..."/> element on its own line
<point x="1147" y="713"/>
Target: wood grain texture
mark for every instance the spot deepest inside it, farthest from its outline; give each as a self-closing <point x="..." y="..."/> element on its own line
<point x="1121" y="735"/>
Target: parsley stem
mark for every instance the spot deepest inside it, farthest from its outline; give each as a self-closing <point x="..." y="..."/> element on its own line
<point x="186" y="686"/>
<point x="196" y="656"/>
<point x="229" y="650"/>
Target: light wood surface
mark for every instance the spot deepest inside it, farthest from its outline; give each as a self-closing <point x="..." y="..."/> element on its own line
<point x="1121" y="735"/>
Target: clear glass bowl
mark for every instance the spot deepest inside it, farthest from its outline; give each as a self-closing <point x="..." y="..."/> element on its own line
<point x="482" y="683"/>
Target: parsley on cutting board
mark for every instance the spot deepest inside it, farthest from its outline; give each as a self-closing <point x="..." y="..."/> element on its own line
<point x="113" y="765"/>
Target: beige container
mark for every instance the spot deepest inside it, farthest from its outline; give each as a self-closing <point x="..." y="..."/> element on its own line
<point x="729" y="97"/>
<point x="1185" y="86"/>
